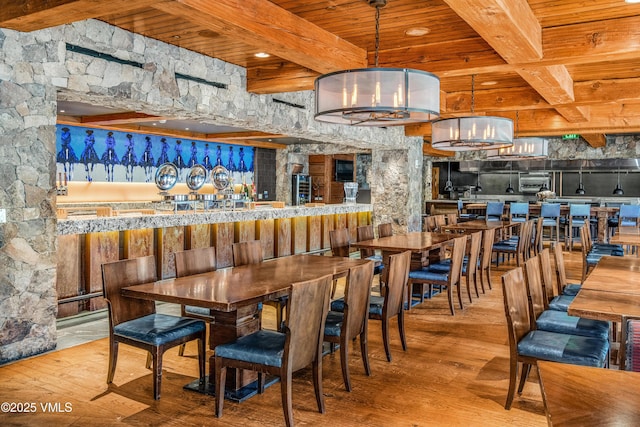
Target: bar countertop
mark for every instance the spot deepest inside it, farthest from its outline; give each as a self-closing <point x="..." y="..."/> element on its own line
<point x="82" y="225"/>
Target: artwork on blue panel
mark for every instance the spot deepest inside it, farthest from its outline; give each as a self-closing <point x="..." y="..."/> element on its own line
<point x="134" y="157"/>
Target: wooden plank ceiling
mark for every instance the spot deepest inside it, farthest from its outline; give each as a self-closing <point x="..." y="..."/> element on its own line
<point x="564" y="66"/>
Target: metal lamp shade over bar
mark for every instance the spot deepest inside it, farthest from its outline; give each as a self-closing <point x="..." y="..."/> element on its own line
<point x="472" y="133"/>
<point x="377" y="97"/>
<point x="522" y="149"/>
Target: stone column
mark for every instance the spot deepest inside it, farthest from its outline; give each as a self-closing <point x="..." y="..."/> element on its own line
<point x="396" y="186"/>
<point x="28" y="302"/>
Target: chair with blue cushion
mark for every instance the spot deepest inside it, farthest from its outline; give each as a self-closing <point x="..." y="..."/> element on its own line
<point x="135" y="322"/>
<point x="613" y="220"/>
<point x="527" y="346"/>
<point x="630" y="344"/>
<point x="469" y="264"/>
<point x="550" y="215"/>
<point x="248" y="253"/>
<point x="579" y="215"/>
<point x="518" y="247"/>
<point x="519" y="212"/>
<point x="365" y="232"/>
<point x="282" y="353"/>
<point x="344" y="327"/>
<point x="450" y="278"/>
<point x="552" y="320"/>
<point x="391" y="302"/>
<point x="195" y="261"/>
<point x="486" y="252"/>
<point x="385" y="230"/>
<point x="494" y="211"/>
<point x="590" y="255"/>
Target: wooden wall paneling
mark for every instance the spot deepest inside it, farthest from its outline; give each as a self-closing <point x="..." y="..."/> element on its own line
<point x="314" y="233"/>
<point x="299" y="234"/>
<point x="352" y="225"/>
<point x="364" y="218"/>
<point x="137" y="243"/>
<point x="198" y="236"/>
<point x="283" y="237"/>
<point x="168" y="241"/>
<point x="341" y="221"/>
<point x="99" y="248"/>
<point x="265" y="232"/>
<point x="328" y="224"/>
<point x="69" y="272"/>
<point x="223" y="241"/>
<point x="244" y="231"/>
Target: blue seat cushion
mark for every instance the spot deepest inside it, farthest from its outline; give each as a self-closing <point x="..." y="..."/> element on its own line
<point x="428" y="275"/>
<point x="549" y="222"/>
<point x="263" y="347"/>
<point x="564" y="348"/>
<point x="333" y="324"/>
<point x="337" y="305"/>
<point x="607" y="247"/>
<point x="200" y="311"/>
<point x="158" y="329"/>
<point x="562" y="323"/>
<point x="375" y="258"/>
<point x="571" y="289"/>
<point x="375" y="305"/>
<point x="561" y="302"/>
<point x="442" y="266"/>
<point x="504" y="247"/>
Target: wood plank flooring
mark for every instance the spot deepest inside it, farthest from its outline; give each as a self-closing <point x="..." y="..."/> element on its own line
<point x="454" y="373"/>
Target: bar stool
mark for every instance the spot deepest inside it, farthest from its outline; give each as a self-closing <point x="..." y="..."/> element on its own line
<point x="550" y="215"/>
<point x="519" y="212"/>
<point x="494" y="211"/>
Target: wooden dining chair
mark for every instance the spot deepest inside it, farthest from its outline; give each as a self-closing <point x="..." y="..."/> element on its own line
<point x="385" y="230"/>
<point x="488" y="236"/>
<point x="552" y="320"/>
<point x="189" y="262"/>
<point x="135" y="322"/>
<point x="340" y="246"/>
<point x="282" y="353"/>
<point x="391" y="303"/>
<point x="527" y="346"/>
<point x="630" y="344"/>
<point x="248" y="253"/>
<point x="469" y="264"/>
<point x="363" y="233"/>
<point x="344" y="327"/>
<point x="450" y="278"/>
<point x="518" y="247"/>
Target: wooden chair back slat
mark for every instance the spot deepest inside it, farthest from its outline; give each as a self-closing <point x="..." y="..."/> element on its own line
<point x="195" y="261"/>
<point x="247" y="253"/>
<point x="339" y="241"/>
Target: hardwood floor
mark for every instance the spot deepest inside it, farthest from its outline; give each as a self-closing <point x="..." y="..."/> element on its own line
<point x="454" y="373"/>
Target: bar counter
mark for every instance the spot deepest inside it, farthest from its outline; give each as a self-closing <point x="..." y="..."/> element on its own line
<point x="91" y="236"/>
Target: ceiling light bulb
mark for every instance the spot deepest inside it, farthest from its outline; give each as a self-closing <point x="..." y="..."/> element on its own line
<point x="262" y="55"/>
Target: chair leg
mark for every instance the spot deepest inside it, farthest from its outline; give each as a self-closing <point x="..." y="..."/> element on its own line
<point x="345" y="364"/>
<point x="450" y="296"/>
<point x="526" y="369"/>
<point x="385" y="338"/>
<point x="221" y="378"/>
<point x="148" y="363"/>
<point x="181" y="349"/>
<point x="285" y="391"/>
<point x="364" y="349"/>
<point x="468" y="282"/>
<point x="513" y="374"/>
<point x="157" y="373"/>
<point x="458" y="286"/>
<point x="261" y="380"/>
<point x="317" y="383"/>
<point x="113" y="359"/>
<point x="403" y="339"/>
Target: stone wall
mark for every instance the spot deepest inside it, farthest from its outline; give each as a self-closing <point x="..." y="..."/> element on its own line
<point x="27" y="186"/>
<point x="39" y="68"/>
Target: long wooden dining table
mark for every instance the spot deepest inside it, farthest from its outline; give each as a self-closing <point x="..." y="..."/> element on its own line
<point x="576" y="395"/>
<point x="611" y="291"/>
<point x="233" y="296"/>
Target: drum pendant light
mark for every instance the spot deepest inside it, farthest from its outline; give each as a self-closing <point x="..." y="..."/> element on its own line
<point x="377" y="96"/>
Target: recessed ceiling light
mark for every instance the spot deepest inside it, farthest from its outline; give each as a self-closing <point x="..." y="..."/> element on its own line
<point x="186" y="128"/>
<point x="417" y="31"/>
<point x="262" y="55"/>
<point x="62" y="111"/>
<point x="632" y="1"/>
<point x="176" y="36"/>
<point x="489" y="83"/>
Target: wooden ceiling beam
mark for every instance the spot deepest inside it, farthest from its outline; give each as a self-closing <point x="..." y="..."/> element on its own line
<point x="596" y="140"/>
<point x="284" y="77"/>
<point x="31" y="15"/>
<point x="272" y="29"/>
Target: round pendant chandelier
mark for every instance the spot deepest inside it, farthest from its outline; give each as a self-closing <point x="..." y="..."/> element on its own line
<point x="377" y="96"/>
<point x="472" y="132"/>
<point x="526" y="148"/>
